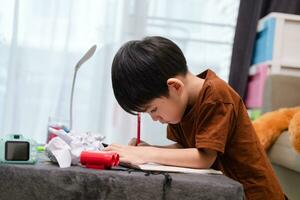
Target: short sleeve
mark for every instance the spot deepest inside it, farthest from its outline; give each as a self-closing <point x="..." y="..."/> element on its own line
<point x="214" y="126"/>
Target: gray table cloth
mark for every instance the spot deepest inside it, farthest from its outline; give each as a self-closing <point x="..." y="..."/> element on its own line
<point x="46" y="181"/>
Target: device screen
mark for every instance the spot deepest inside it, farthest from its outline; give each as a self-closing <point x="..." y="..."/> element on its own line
<point x="16" y="151"/>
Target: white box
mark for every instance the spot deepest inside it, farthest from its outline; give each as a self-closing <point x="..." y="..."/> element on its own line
<point x="285" y="57"/>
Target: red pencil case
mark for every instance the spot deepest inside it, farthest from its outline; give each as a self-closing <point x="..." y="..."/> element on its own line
<point x="99" y="159"/>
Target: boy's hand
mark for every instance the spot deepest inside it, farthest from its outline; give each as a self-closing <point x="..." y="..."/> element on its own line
<point x="128" y="154"/>
<point x="133" y="141"/>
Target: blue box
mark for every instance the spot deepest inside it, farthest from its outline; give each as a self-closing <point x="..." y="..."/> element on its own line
<point x="263" y="48"/>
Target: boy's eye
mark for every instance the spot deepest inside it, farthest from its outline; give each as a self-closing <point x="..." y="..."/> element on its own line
<point x="153" y="110"/>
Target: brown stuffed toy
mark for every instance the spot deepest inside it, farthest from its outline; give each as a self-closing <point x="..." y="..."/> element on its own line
<point x="270" y="125"/>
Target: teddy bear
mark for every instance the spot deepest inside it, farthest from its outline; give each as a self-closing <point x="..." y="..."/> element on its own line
<point x="270" y="125"/>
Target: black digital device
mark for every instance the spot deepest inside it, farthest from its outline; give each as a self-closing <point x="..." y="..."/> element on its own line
<point x="17" y="151"/>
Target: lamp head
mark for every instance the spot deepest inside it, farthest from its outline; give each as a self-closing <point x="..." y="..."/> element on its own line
<point x="86" y="56"/>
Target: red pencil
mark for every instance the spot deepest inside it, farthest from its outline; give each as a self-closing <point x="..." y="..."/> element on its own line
<point x="138" y="138"/>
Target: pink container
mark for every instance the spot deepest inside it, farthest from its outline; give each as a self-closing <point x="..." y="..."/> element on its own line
<point x="255" y="88"/>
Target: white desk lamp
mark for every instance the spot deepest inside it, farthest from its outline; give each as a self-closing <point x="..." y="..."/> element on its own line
<point x="86" y="56"/>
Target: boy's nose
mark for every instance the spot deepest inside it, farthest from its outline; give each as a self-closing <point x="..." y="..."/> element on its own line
<point x="154" y="117"/>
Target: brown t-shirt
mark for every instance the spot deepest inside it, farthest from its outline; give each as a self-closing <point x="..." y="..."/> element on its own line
<point x="219" y="121"/>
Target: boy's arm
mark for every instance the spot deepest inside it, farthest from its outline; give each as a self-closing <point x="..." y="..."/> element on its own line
<point x="189" y="157"/>
<point x="170" y="146"/>
<point x="132" y="142"/>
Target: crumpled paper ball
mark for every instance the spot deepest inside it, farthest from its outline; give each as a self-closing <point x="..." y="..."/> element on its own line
<point x="65" y="149"/>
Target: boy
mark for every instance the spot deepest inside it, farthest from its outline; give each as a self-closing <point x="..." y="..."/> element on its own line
<point x="206" y="118"/>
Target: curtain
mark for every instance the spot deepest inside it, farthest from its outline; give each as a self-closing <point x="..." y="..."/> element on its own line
<point x="249" y="14"/>
<point x="41" y="41"/>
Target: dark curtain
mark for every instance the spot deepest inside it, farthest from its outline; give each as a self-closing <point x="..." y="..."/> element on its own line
<point x="250" y="12"/>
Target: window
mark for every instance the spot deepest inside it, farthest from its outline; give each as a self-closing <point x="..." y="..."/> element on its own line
<point x="41" y="41"/>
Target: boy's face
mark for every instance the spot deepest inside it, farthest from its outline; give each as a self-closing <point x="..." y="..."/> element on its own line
<point x="169" y="109"/>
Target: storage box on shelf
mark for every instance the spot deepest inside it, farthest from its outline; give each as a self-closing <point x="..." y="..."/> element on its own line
<point x="276" y="51"/>
<point x="278" y="43"/>
<point x="255" y="88"/>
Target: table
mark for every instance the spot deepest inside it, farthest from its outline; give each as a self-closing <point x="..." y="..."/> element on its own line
<point x="46" y="181"/>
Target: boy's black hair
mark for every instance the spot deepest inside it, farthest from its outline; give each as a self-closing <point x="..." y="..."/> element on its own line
<point x="140" y="71"/>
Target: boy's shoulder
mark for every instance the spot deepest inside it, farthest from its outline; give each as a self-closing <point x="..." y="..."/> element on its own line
<point x="216" y="90"/>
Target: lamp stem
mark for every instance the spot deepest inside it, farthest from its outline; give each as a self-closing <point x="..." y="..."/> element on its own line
<point x="71" y="99"/>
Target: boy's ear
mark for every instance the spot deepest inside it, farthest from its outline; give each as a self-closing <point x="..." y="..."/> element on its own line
<point x="175" y="85"/>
